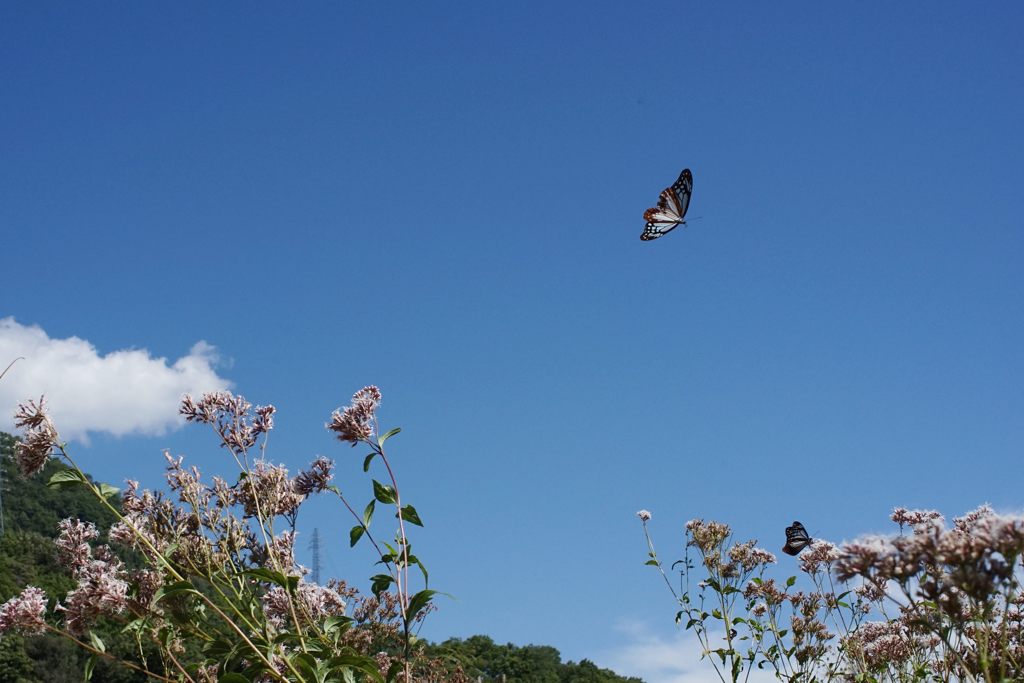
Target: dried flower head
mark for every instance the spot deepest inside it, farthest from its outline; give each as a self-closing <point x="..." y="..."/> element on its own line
<point x="707" y="536"/>
<point x="39" y="439"/>
<point x="965" y="523"/>
<point x="644" y="515"/>
<point x="355" y="423"/>
<point x="316" y="479"/>
<point x="766" y="590"/>
<point x="230" y="417"/>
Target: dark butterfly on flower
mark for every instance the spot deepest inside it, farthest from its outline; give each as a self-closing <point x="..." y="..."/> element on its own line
<point x="796" y="539"/>
<point x="671" y="209"/>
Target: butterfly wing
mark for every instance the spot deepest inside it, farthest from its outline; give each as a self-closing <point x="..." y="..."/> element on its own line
<point x="671" y="209"/>
<point x="797" y="539"/>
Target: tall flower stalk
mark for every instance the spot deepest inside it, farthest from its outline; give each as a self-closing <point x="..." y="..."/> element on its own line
<point x="218" y="561"/>
<point x="357" y="424"/>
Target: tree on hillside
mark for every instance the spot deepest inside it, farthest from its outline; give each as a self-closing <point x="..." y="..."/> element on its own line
<point x="480" y="657"/>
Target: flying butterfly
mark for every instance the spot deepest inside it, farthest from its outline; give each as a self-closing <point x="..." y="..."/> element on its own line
<point x="797" y="539"/>
<point x="671" y="209"/>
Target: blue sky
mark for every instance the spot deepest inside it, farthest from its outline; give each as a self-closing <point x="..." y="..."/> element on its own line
<point x="445" y="200"/>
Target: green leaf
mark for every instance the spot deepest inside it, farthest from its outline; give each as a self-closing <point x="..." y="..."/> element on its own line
<point x="355" y="534"/>
<point x="653" y="563"/>
<point x="338" y="623"/>
<point x="277" y="578"/>
<point x="423" y="568"/>
<point x="90" y="664"/>
<point x="381" y="582"/>
<point x="107" y="491"/>
<point x="233" y="678"/>
<point x="383" y="493"/>
<point x="346" y="663"/>
<point x="394" y="670"/>
<point x="65" y="478"/>
<point x="306" y="664"/>
<point x="418" y="603"/>
<point x="174" y="589"/>
<point x="790" y="581"/>
<point x="97" y="642"/>
<point x="387" y="436"/>
<point x="368" y="512"/>
<point x="409" y="514"/>
<point x="367" y="461"/>
<point x="218" y="649"/>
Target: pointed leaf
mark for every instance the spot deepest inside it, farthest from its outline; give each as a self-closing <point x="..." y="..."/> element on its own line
<point x="387" y="436"/>
<point x="107" y="491"/>
<point x="368" y="512"/>
<point x="273" y="577"/>
<point x="418" y="603"/>
<point x="423" y="568"/>
<point x="367" y="461"/>
<point x="65" y="478"/>
<point x="381" y="582"/>
<point x="410" y="515"/>
<point x="97" y="642"/>
<point x="355" y="534"/>
<point x="179" y="588"/>
<point x="383" y="492"/>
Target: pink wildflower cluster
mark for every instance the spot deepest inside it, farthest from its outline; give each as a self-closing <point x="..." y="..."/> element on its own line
<point x="749" y="557"/>
<point x="976" y="557"/>
<point x="819" y="554"/>
<point x="23" y="613"/>
<point x="316" y="479"/>
<point x="312" y="604"/>
<point x="230" y="418"/>
<point x="356" y="422"/>
<point x="882" y="643"/>
<point x="809" y="633"/>
<point x="764" y="591"/>
<point x="267" y="491"/>
<point x="102" y="588"/>
<point x="39" y="439"/>
<point x="919" y="520"/>
<point x="204" y="534"/>
<point x="707" y="536"/>
<point x="210" y="552"/>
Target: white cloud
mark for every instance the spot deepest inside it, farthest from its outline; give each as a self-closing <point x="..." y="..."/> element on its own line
<point x="663" y="659"/>
<point x="122" y="392"/>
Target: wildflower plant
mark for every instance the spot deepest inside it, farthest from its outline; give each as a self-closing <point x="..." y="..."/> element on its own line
<point x="928" y="604"/>
<point x="206" y="571"/>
